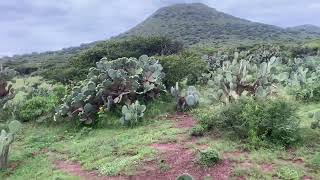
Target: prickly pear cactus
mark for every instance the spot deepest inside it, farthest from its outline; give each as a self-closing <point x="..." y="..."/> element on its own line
<point x="110" y="83"/>
<point x="132" y="114"/>
<point x="6" y="139"/>
<point x="242" y="77"/>
<point x="316" y="118"/>
<point x="192" y="97"/>
<point x="189" y="100"/>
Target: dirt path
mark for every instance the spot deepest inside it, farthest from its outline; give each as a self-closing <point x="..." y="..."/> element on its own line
<point x="174" y="159"/>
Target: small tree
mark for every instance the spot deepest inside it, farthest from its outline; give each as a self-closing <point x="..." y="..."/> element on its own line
<point x="6" y="90"/>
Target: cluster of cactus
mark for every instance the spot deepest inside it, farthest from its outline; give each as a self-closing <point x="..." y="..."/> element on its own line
<point x="132" y="114"/>
<point x="303" y="72"/>
<point x="6" y="139"/>
<point x="255" y="55"/>
<point x="114" y="82"/>
<point x="6" y="90"/>
<point x="190" y="99"/>
<point x="242" y="77"/>
<point x="263" y="53"/>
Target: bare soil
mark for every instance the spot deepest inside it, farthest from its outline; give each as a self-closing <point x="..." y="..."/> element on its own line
<point x="175" y="158"/>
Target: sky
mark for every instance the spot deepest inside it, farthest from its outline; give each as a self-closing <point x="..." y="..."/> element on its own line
<point x="40" y="25"/>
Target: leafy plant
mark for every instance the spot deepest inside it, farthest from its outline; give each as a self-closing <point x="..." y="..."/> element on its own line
<point x="131" y="114"/>
<point x="120" y="81"/>
<point x="6" y="90"/>
<point x="37" y="108"/>
<point x="6" y="139"/>
<point x="258" y="122"/>
<point x="198" y="130"/>
<point x="208" y="157"/>
<point x="185" y="65"/>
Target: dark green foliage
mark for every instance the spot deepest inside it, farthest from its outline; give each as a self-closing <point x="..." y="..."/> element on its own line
<point x="179" y="67"/>
<point x="197" y="23"/>
<point x="112" y="49"/>
<point x="37" y="108"/>
<point x="185" y="177"/>
<point x="208" y="157"/>
<point x="310" y="93"/>
<point x="258" y="122"/>
<point x="198" y="130"/>
<point x="6" y="90"/>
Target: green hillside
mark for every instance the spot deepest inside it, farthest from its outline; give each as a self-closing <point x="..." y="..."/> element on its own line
<point x="190" y="24"/>
<point x="195" y="23"/>
<point x="307" y="28"/>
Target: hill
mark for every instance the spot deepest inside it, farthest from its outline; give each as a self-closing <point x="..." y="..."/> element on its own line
<point x="191" y="24"/>
<point x="196" y="22"/>
<point x="307" y="28"/>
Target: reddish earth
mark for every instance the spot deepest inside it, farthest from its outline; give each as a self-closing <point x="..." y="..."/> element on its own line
<point x="177" y="158"/>
<point x="183" y="120"/>
<point x="181" y="160"/>
<point x="75" y="169"/>
<point x="266" y="168"/>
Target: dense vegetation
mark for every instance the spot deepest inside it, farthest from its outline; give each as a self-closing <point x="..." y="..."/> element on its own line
<point x="126" y="107"/>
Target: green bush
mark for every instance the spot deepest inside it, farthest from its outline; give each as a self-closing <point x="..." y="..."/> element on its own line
<point x="258" y="122"/>
<point x="37" y="107"/>
<point x="308" y="94"/>
<point x="208" y="157"/>
<point x="179" y="67"/>
<point x="198" y="130"/>
<point x="79" y="65"/>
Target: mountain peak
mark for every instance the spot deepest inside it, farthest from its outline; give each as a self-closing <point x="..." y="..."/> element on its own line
<point x="193" y="23"/>
<point x="308" y="28"/>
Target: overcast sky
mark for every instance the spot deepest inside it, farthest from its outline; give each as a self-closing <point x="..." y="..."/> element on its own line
<point x="39" y="25"/>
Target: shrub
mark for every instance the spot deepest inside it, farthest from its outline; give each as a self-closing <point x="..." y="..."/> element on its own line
<point x="208" y="157"/>
<point x="198" y="130"/>
<point x="310" y="93"/>
<point x="259" y="122"/>
<point x="36" y="108"/>
<point x="112" y="49"/>
<point x="179" y="67"/>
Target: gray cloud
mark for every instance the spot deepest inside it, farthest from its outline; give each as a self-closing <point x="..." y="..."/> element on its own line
<point x="38" y="25"/>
